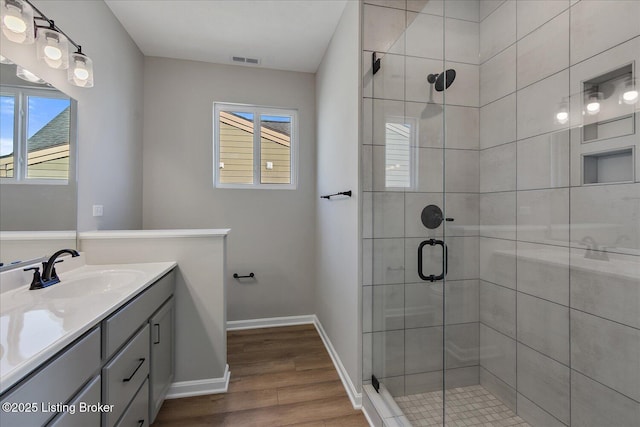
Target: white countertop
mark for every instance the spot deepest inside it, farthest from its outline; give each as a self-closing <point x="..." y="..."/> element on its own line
<point x="153" y="234"/>
<point x="35" y="325"/>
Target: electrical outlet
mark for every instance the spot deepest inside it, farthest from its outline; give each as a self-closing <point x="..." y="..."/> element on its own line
<point x="97" y="210"/>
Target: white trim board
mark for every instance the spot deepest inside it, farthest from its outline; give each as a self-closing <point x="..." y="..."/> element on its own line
<point x="354" y="396"/>
<point x="270" y="322"/>
<point x="200" y="387"/>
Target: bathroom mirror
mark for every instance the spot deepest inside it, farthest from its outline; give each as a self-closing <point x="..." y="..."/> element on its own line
<point x="38" y="152"/>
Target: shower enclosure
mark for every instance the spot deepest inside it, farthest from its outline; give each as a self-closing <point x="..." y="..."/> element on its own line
<point x="501" y="212"/>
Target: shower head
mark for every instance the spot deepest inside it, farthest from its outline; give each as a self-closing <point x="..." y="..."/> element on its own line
<point x="442" y="80"/>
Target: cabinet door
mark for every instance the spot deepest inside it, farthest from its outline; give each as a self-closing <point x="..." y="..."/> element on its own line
<point x="162" y="356"/>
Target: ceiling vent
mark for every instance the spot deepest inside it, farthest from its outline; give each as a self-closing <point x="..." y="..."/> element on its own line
<point x="241" y="59"/>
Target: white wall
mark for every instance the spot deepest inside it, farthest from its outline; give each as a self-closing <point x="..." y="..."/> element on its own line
<point x="272" y="230"/>
<point x="201" y="341"/>
<point x="109" y="114"/>
<point x="337" y="303"/>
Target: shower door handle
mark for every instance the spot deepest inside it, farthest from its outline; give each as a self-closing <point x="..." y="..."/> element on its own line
<point x="445" y="260"/>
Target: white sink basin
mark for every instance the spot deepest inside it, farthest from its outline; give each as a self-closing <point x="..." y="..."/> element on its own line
<point x="91" y="283"/>
<point x="85" y="282"/>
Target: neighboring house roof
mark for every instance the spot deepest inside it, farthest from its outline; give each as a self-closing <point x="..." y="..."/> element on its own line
<point x="277" y="132"/>
<point x="56" y="132"/>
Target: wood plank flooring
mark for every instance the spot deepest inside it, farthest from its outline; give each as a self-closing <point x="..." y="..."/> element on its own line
<point x="279" y="377"/>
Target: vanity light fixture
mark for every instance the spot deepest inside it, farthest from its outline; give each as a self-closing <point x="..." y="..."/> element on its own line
<point x="630" y="94"/>
<point x="52" y="44"/>
<point x="17" y="21"/>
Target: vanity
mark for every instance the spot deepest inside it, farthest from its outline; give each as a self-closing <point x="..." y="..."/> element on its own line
<point x="96" y="349"/>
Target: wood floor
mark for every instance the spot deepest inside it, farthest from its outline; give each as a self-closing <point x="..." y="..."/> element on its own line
<point x="279" y="377"/>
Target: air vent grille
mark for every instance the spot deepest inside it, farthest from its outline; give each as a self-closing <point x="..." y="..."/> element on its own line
<point x="242" y="59"/>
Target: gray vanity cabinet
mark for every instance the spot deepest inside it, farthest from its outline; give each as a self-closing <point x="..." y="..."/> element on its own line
<point x="126" y="360"/>
<point x="162" y="356"/>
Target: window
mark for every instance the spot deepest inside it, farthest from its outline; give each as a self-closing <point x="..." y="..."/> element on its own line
<point x="399" y="153"/>
<point x="254" y="147"/>
<point x="34" y="135"/>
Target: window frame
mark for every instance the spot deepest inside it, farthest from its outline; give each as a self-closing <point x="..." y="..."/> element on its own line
<point x="257" y="111"/>
<point x="20" y="124"/>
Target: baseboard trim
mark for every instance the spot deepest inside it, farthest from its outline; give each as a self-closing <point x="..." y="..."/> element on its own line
<point x="352" y="392"/>
<point x="270" y="322"/>
<point x="200" y="387"/>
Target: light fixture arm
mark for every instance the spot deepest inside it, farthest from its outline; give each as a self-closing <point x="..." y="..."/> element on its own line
<point x="52" y="24"/>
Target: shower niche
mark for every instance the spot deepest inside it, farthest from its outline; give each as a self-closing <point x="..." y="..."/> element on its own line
<point x="608" y="120"/>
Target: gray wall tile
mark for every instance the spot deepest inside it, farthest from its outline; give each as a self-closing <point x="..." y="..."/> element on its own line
<point x="535" y="415"/>
<point x="498" y="354"/>
<point x="607" y="289"/>
<point x="498" y="261"/>
<point x="388" y="307"/>
<point x="498" y="308"/>
<point x="462" y="345"/>
<point x="423" y="350"/>
<point x="498" y="388"/>
<point x="423" y="305"/>
<point x="544" y="381"/>
<point x="543" y="271"/>
<point x="462" y="301"/>
<point x="594" y="405"/>
<point x="498" y="168"/>
<point x="607" y="352"/>
<point x="544" y="326"/>
<point x="543" y="216"/>
<point x="388" y="353"/>
<point x="498" y="215"/>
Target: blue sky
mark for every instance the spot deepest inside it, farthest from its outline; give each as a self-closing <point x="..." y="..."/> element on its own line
<point x="41" y="111"/>
<point x="249" y="116"/>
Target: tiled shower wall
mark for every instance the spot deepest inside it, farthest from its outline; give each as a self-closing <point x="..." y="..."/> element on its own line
<point x="402" y="315"/>
<point x="559" y="324"/>
<point x="534" y="312"/>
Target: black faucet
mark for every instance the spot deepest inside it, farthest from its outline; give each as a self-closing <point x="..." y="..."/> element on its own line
<point x="49" y="276"/>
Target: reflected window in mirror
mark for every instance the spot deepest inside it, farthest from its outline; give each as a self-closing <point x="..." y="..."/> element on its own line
<point x="35" y="135"/>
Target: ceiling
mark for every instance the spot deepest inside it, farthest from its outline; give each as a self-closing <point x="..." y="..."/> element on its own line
<point x="283" y="34"/>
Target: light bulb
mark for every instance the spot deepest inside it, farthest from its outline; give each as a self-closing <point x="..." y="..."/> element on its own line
<point x="562" y="117"/>
<point x="15" y="24"/>
<point x="630" y="96"/>
<point x="53" y="52"/>
<point x="81" y="73"/>
<point x="17" y="21"/>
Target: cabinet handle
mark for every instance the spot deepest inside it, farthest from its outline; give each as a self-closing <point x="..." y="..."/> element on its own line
<point x="157" y="340"/>
<point x="140" y="423"/>
<point x="126" y="380"/>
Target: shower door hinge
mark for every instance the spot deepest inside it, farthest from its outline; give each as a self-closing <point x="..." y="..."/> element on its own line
<point x="375" y="383"/>
<point x="375" y="63"/>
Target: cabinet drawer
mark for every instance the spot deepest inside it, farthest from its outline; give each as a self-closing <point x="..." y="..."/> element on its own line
<point x="90" y="395"/>
<point x="122" y="324"/>
<point x="123" y="375"/>
<point x="57" y="382"/>
<point x="137" y="414"/>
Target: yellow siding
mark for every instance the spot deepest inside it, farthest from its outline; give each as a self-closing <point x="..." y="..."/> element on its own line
<point x="48" y="163"/>
<point x="236" y="152"/>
